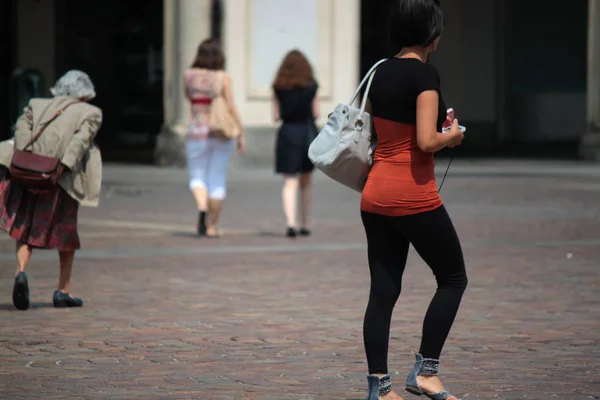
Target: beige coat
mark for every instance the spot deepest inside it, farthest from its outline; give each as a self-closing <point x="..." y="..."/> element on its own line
<point x="69" y="137"/>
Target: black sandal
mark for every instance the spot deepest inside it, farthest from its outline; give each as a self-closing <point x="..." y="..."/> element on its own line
<point x="291" y="233"/>
<point x="305" y="232"/>
<point x="202" y="223"/>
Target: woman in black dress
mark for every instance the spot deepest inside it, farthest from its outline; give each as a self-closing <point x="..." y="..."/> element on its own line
<point x="296" y="104"/>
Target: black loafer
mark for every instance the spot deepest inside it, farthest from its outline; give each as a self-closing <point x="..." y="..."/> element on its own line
<point x="21" y="292"/>
<point x="62" y="300"/>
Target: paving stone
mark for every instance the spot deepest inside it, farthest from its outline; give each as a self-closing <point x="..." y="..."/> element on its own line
<point x="256" y="316"/>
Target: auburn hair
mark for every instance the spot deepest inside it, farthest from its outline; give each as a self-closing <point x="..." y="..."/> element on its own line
<point x="209" y="55"/>
<point x="295" y="71"/>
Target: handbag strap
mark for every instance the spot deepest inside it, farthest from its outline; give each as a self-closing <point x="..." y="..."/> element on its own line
<point x="368" y="77"/>
<point x="220" y="79"/>
<point x="45" y="124"/>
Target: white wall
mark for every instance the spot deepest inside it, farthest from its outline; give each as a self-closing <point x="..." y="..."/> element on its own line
<point x="273" y="30"/>
<point x="258" y="33"/>
<point x="35" y="37"/>
<point x="186" y="24"/>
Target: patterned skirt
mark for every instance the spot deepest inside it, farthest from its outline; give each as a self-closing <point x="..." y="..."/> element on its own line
<point x="43" y="221"/>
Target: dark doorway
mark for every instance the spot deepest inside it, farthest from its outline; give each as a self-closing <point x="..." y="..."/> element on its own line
<point x="216" y="19"/>
<point x="119" y="44"/>
<point x="374" y="33"/>
<point x="7" y="54"/>
<point x="546" y="68"/>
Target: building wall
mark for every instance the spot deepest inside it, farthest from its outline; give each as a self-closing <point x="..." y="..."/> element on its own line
<point x="476" y="59"/>
<point x="35" y="37"/>
<point x="482" y="61"/>
<point x="7" y="58"/>
<point x="593" y="66"/>
<point x="467" y="60"/>
<point x="547" y="69"/>
<point x="589" y="146"/>
<point x="478" y="42"/>
<point x="258" y="33"/>
<point x="499" y="70"/>
<point x="185" y="24"/>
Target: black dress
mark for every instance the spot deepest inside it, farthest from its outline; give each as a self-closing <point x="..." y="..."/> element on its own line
<point x="297" y="131"/>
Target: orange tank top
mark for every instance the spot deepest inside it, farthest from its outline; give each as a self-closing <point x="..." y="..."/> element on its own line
<point x="402" y="180"/>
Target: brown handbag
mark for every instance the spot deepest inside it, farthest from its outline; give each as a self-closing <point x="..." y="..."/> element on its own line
<point x="33" y="171"/>
<point x="221" y="121"/>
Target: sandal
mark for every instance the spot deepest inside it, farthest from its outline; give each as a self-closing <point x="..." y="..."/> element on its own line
<point x="427" y="367"/>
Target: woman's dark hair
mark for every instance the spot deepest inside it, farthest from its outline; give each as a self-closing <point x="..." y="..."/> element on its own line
<point x="209" y="55"/>
<point x="415" y="23"/>
<point x="294" y="72"/>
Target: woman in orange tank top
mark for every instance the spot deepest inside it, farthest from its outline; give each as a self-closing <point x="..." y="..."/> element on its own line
<point x="400" y="203"/>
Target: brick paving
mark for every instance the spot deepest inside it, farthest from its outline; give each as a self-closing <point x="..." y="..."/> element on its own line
<point x="256" y="316"/>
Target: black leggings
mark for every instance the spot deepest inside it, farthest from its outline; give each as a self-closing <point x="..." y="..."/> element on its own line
<point x="433" y="236"/>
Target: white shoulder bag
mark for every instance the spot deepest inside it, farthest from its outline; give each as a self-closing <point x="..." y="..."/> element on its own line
<point x="343" y="149"/>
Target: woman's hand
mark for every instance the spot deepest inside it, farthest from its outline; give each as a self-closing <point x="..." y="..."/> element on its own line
<point x="457" y="134"/>
<point x="60" y="171"/>
<point x="241" y="144"/>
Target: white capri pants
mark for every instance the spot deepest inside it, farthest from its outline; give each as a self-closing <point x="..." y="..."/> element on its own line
<point x="208" y="160"/>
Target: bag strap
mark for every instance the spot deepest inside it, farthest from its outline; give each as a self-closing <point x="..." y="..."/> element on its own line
<point x="220" y="84"/>
<point x="366" y="95"/>
<point x="45" y="124"/>
<point x="368" y="77"/>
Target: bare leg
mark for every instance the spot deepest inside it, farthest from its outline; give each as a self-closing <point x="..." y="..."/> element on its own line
<point x="214" y="210"/>
<point x="62" y="296"/>
<point x="198" y="158"/>
<point x="216" y="182"/>
<point x="21" y="287"/>
<point x="305" y="197"/>
<point x="201" y="198"/>
<point x="66" y="266"/>
<point x="23" y="256"/>
<point x="289" y="196"/>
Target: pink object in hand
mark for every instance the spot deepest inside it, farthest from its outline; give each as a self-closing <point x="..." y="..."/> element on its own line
<point x="448" y="122"/>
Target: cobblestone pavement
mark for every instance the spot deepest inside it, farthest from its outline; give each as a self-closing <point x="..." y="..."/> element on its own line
<point x="256" y="316"/>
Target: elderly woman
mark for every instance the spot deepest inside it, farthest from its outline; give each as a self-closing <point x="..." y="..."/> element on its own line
<point x="48" y="220"/>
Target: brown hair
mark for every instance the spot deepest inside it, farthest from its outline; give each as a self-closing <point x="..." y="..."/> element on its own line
<point x="295" y="71"/>
<point x="209" y="55"/>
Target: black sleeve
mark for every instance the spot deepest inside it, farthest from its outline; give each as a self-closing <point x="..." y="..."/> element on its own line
<point x="427" y="79"/>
